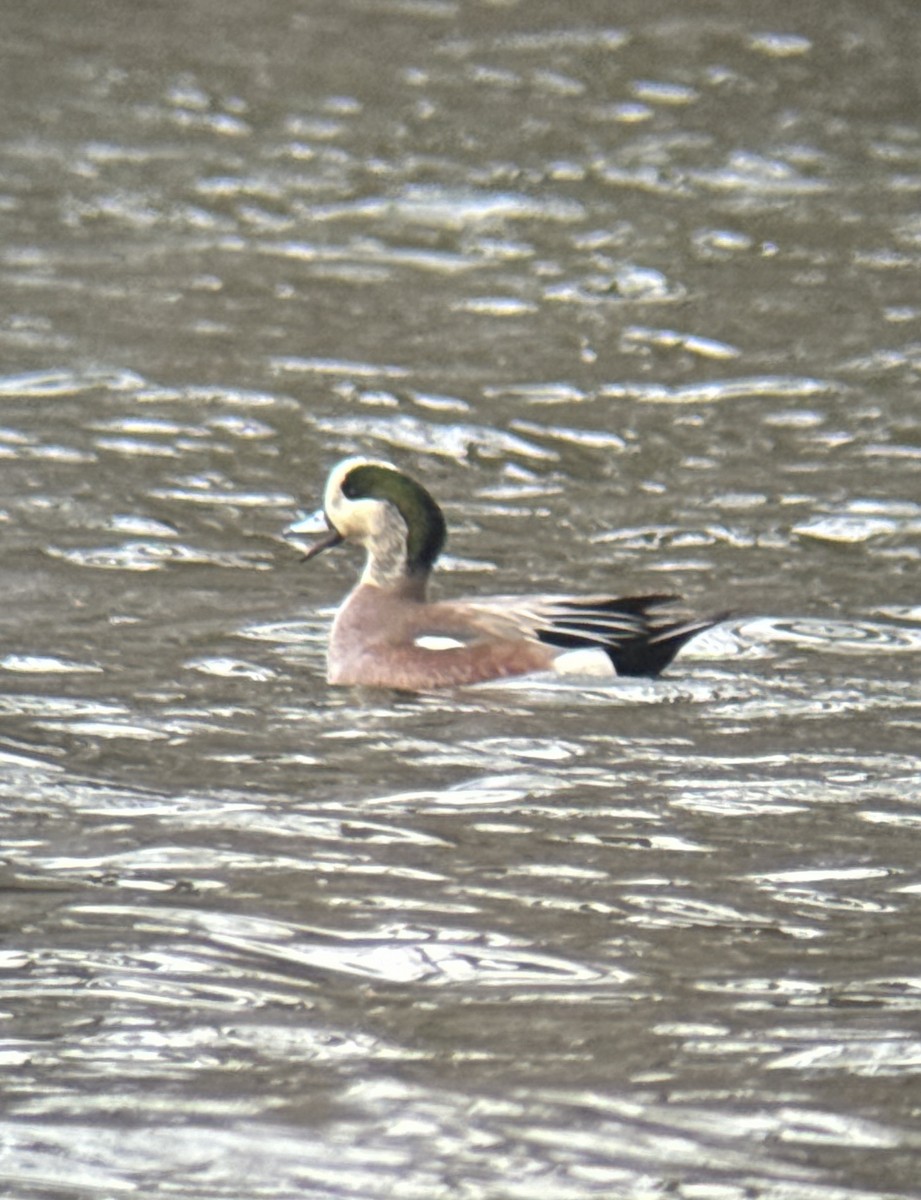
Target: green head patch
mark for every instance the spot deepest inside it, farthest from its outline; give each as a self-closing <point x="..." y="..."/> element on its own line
<point x="425" y="524"/>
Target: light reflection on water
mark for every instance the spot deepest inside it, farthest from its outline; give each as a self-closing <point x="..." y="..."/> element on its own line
<point x="616" y="295"/>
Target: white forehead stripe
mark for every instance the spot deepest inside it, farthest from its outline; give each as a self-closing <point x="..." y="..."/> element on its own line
<point x="338" y="475"/>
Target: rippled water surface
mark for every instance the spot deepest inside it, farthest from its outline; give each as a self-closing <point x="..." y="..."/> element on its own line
<point x="635" y="289"/>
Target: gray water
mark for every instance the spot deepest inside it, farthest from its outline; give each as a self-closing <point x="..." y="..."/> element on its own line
<point x="635" y="289"/>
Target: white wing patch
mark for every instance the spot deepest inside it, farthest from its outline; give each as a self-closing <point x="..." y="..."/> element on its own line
<point x="433" y="641"/>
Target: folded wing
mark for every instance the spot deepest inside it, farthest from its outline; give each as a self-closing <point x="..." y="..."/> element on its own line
<point x="635" y="634"/>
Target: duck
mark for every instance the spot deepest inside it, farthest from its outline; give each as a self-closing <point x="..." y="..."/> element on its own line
<point x="388" y="633"/>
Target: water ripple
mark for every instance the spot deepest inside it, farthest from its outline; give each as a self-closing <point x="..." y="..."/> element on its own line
<point x="46" y="664"/>
<point x="395" y="955"/>
<point x="457" y="440"/>
<point x="153" y="556"/>
<point x="720" y="389"/>
<point x="839" y="637"/>
<point x="459" y="208"/>
<point x="67" y="383"/>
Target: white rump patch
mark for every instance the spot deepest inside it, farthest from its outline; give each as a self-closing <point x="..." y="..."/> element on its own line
<point x="433" y="641"/>
<point x="586" y="661"/>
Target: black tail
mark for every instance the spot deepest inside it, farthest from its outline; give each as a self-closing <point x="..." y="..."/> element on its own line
<point x="635" y="642"/>
<point x="650" y="655"/>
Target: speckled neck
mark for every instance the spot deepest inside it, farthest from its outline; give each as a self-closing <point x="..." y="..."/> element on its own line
<point x="386" y="565"/>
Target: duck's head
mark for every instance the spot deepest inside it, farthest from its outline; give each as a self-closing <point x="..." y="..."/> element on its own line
<point x="376" y="506"/>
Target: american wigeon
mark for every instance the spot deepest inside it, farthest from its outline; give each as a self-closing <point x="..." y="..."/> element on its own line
<point x="388" y="633"/>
